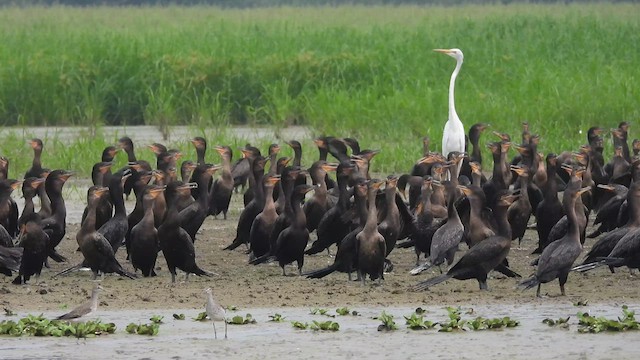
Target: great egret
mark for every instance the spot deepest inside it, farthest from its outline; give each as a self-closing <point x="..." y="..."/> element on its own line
<point x="453" y="135"/>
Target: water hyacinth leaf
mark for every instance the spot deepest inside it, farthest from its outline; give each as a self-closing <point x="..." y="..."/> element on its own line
<point x="157" y="319"/>
<point x="342" y="311"/>
<point x="201" y="317"/>
<point x="132" y="328"/>
<point x="276" y="318"/>
<point x="300" y="325"/>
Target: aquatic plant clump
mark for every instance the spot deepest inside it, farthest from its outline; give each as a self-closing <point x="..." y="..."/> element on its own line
<point x="592" y="324"/>
<point x="38" y="325"/>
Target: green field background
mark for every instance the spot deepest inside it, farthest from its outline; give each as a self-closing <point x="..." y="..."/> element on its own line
<point x="364" y="72"/>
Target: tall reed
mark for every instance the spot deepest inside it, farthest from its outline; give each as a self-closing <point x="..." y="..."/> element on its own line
<point x="366" y="72"/>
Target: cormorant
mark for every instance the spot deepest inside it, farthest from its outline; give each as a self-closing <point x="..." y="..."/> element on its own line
<point x="143" y="242"/>
<point x="483" y="257"/>
<point x="55" y="226"/>
<point x="34" y="242"/>
<point x="97" y="251"/>
<point x="175" y="242"/>
<point x="222" y="187"/>
<point x="370" y="244"/>
<point x="252" y="209"/>
<point x="558" y="257"/>
<point x="262" y="225"/>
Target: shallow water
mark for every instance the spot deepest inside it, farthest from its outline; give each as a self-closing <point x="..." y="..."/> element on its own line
<point x="358" y="337"/>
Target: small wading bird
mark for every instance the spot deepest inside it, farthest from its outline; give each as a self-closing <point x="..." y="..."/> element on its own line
<point x="453" y="134"/>
<point x="215" y="312"/>
<point x="84" y="309"/>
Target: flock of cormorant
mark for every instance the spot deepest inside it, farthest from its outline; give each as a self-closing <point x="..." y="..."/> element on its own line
<point x="439" y="205"/>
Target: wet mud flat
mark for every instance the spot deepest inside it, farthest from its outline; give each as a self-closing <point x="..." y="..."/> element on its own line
<point x="358" y="337"/>
<point x="262" y="291"/>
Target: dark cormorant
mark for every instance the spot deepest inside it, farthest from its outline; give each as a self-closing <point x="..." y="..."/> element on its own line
<point x="55" y="226"/>
<point x="558" y="257"/>
<point x="34" y="242"/>
<point x="262" y="225"/>
<point x="143" y="242"/>
<point x="97" y="251"/>
<point x="222" y="187"/>
<point x="175" y="242"/>
<point x="483" y="257"/>
<point x="370" y="244"/>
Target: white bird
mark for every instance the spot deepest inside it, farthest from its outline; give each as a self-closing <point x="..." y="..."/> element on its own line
<point x="453" y="135"/>
<point x="215" y="312"/>
<point x="86" y="308"/>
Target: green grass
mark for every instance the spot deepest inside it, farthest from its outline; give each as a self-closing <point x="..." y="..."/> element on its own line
<point x="365" y="72"/>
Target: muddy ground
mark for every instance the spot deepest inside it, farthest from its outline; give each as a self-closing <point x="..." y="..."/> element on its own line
<point x="248" y="286"/>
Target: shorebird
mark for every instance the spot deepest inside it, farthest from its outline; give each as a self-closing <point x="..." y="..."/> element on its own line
<point x="215" y="312"/>
<point x="84" y="309"/>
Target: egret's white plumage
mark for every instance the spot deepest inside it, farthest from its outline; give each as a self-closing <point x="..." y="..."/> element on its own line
<point x="215" y="312"/>
<point x="453" y="134"/>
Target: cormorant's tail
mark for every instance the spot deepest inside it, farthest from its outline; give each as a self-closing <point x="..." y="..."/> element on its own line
<point x="505" y="270"/>
<point x="69" y="270"/>
<point x="125" y="273"/>
<point x="11" y="257"/>
<point x="594" y="234"/>
<point x="316" y="247"/>
<point x="319" y="274"/>
<point x="53" y="254"/>
<point x="233" y="245"/>
<point x="406" y="244"/>
<point x="529" y="283"/>
<point x="600" y="261"/>
<point x="588" y="266"/>
<point x="424" y="285"/>
<point x="262" y="259"/>
<point x="420" y="268"/>
<point x="196" y="270"/>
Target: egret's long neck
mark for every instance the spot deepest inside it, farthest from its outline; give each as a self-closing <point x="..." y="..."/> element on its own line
<point x="452" y="86"/>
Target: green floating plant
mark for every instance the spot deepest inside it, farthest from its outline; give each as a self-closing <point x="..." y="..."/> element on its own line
<point x="200" y="317"/>
<point x="40" y="326"/>
<point x="416" y="322"/>
<point x="239" y="320"/>
<point x="455" y="322"/>
<point x="318" y="311"/>
<point x="179" y="316"/>
<point x="592" y="324"/>
<point x="561" y="322"/>
<point x="157" y="319"/>
<point x="143" y="329"/>
<point x="325" y="325"/>
<point x="481" y="323"/>
<point x="344" y="311"/>
<point x="387" y="322"/>
<point x="276" y="318"/>
<point x="300" y="325"/>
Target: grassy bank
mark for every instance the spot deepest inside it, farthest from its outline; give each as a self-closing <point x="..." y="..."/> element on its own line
<point x="367" y="72"/>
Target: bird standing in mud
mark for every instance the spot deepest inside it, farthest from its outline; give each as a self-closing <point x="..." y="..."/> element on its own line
<point x="215" y="312"/>
<point x="85" y="309"/>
